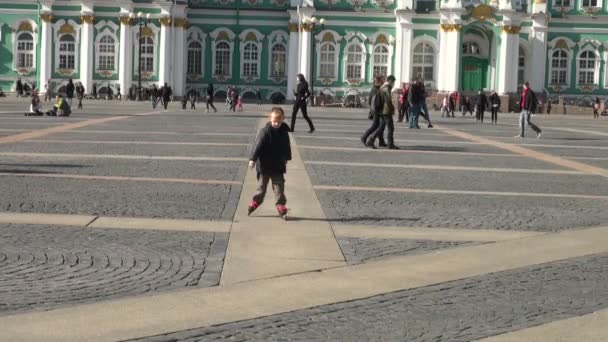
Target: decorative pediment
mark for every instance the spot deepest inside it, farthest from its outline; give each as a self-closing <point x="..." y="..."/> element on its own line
<point x="25" y="26"/>
<point x="562" y="43"/>
<point x="251" y="35"/>
<point x="359" y="35"/>
<point x="66" y="29"/>
<point x="482" y="12"/>
<point x="222" y="33"/>
<point x="328" y="36"/>
<point x="147" y="32"/>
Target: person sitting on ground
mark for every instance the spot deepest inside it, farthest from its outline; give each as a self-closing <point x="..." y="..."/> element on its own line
<point x="60" y="108"/>
<point x="34" y="105"/>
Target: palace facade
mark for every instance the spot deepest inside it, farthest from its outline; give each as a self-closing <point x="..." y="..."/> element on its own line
<point x="560" y="46"/>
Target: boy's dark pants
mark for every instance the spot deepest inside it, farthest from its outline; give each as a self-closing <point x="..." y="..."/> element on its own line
<point x="278" y="187"/>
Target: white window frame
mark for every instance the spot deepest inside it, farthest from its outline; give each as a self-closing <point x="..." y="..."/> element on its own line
<point x="423" y="64"/>
<point x="229" y="63"/>
<point x="568" y="67"/>
<point x="282" y="55"/>
<point x="595" y="69"/>
<point x="107" y="28"/>
<point x="194" y="55"/>
<point x="215" y="40"/>
<point x="361" y="65"/>
<point x="278" y="38"/>
<point x="250" y="57"/>
<point x="551" y="48"/>
<point x="147" y="43"/>
<point x="155" y="40"/>
<point x="15" y="35"/>
<point x="195" y="34"/>
<point x="598" y="4"/>
<point x="111" y="54"/>
<point x="67" y="48"/>
<point x="432" y="42"/>
<point x="336" y="51"/>
<point x="335" y="42"/>
<point x="379" y="64"/>
<point x="28" y="52"/>
<point x="557" y="6"/>
<point x="521" y="69"/>
<point x="257" y="42"/>
<point x="387" y="41"/>
<point x="76" y="35"/>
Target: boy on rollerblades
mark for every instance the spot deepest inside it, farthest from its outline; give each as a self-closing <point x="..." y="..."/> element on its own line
<point x="270" y="155"/>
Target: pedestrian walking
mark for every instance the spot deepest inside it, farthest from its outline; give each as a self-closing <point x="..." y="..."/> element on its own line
<point x="154" y="93"/>
<point x="258" y="96"/>
<point x="210" y="95"/>
<point x="466" y="106"/>
<point x="445" y="105"/>
<point x="481" y="102"/>
<point x="270" y="155"/>
<point x="452" y="100"/>
<point x="388" y="110"/>
<point x="548" y="106"/>
<point x="118" y="92"/>
<point x="166" y="95"/>
<point x="414" y="98"/>
<point x="69" y="92"/>
<point x="19" y="88"/>
<point x="79" y="94"/>
<point x="423" y="108"/>
<point x="234" y="99"/>
<point x="403" y="104"/>
<point x="528" y="104"/>
<point x="596" y="107"/>
<point x="48" y="96"/>
<point x="494" y="106"/>
<point x="375" y="110"/>
<point x="301" y="95"/>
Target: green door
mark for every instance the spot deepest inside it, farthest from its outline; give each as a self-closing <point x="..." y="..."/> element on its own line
<point x="474" y="71"/>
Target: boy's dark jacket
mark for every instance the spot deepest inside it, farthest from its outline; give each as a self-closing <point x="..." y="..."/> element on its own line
<point x="272" y="150"/>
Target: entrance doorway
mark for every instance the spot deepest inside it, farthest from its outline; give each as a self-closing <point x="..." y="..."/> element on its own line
<point x="474" y="74"/>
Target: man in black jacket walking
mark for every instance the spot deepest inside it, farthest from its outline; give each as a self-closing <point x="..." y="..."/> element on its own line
<point x="69" y="92"/>
<point x="375" y="113"/>
<point x="210" y="94"/>
<point x="302" y="93"/>
<point x="528" y="105"/>
<point x="481" y="102"/>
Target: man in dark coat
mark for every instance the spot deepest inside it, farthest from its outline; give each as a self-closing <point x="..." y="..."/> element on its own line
<point x="19" y="88"/>
<point x="481" y="102"/>
<point x="415" y="96"/>
<point x="494" y="106"/>
<point x="166" y="95"/>
<point x="210" y="94"/>
<point x="234" y="99"/>
<point x="301" y="95"/>
<point x="69" y="92"/>
<point x="528" y="105"/>
<point x="375" y="114"/>
<point x="386" y="116"/>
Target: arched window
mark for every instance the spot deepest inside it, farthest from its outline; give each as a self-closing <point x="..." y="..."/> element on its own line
<point x="380" y="60"/>
<point x="423" y="62"/>
<point x="222" y="59"/>
<point x="25" y="50"/>
<point x="471" y="49"/>
<point x="354" y="60"/>
<point x="147" y="54"/>
<point x="521" y="67"/>
<point x="278" y="60"/>
<point x="327" y="61"/>
<point x="586" y="68"/>
<point x="559" y="67"/>
<point x="195" y="54"/>
<point x="106" y="52"/>
<point x="250" y="59"/>
<point x="67" y="52"/>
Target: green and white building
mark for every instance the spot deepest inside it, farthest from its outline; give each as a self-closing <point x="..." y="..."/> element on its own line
<point x="560" y="46"/>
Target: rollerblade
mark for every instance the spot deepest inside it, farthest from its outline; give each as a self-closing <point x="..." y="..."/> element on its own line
<point x="282" y="211"/>
<point x="253" y="205"/>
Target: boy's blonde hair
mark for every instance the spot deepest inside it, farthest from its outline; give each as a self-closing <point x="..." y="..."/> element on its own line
<point x="277" y="110"/>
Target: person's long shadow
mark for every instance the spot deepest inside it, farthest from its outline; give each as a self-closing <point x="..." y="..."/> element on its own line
<point x="26" y="172"/>
<point x="45" y="165"/>
<point x="342" y="220"/>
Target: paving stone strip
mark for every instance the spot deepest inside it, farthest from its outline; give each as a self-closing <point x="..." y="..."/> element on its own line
<point x="358" y="250"/>
<point x="48" y="267"/>
<point x="461" y="310"/>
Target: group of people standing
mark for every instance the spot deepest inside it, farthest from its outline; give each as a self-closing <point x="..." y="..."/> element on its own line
<point x="479" y="104"/>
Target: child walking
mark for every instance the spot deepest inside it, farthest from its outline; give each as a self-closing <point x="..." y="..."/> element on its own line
<point x="270" y="155"/>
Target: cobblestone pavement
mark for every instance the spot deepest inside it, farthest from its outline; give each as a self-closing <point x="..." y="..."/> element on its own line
<point x="46" y="267"/>
<point x="461" y="310"/>
<point x="462" y="211"/>
<point x="359" y="250"/>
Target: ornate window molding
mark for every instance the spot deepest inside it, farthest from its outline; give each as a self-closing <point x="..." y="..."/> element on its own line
<point x="355" y="58"/>
<point x="328" y="49"/>
<point x="559" y="53"/>
<point x="195" y="57"/>
<point x="69" y="31"/>
<point x="218" y="36"/>
<point x="20" y="30"/>
<point x="381" y="48"/>
<point x="278" y="41"/>
<point x="106" y="31"/>
<point x="590" y="6"/>
<point x="251" y="54"/>
<point x="563" y="5"/>
<point x="151" y="35"/>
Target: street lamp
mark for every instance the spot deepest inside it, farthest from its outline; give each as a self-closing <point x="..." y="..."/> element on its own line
<point x="312" y="22"/>
<point x="142" y="23"/>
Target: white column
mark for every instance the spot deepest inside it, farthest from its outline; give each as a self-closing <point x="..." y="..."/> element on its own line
<point x="403" y="47"/>
<point x="164" y="52"/>
<point x="87" y="45"/>
<point x="305" y="53"/>
<point x="125" y="68"/>
<point x="292" y="63"/>
<point x="449" y="58"/>
<point x="180" y="59"/>
<point x="535" y="64"/>
<point x="508" y="60"/>
<point x="46" y="42"/>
